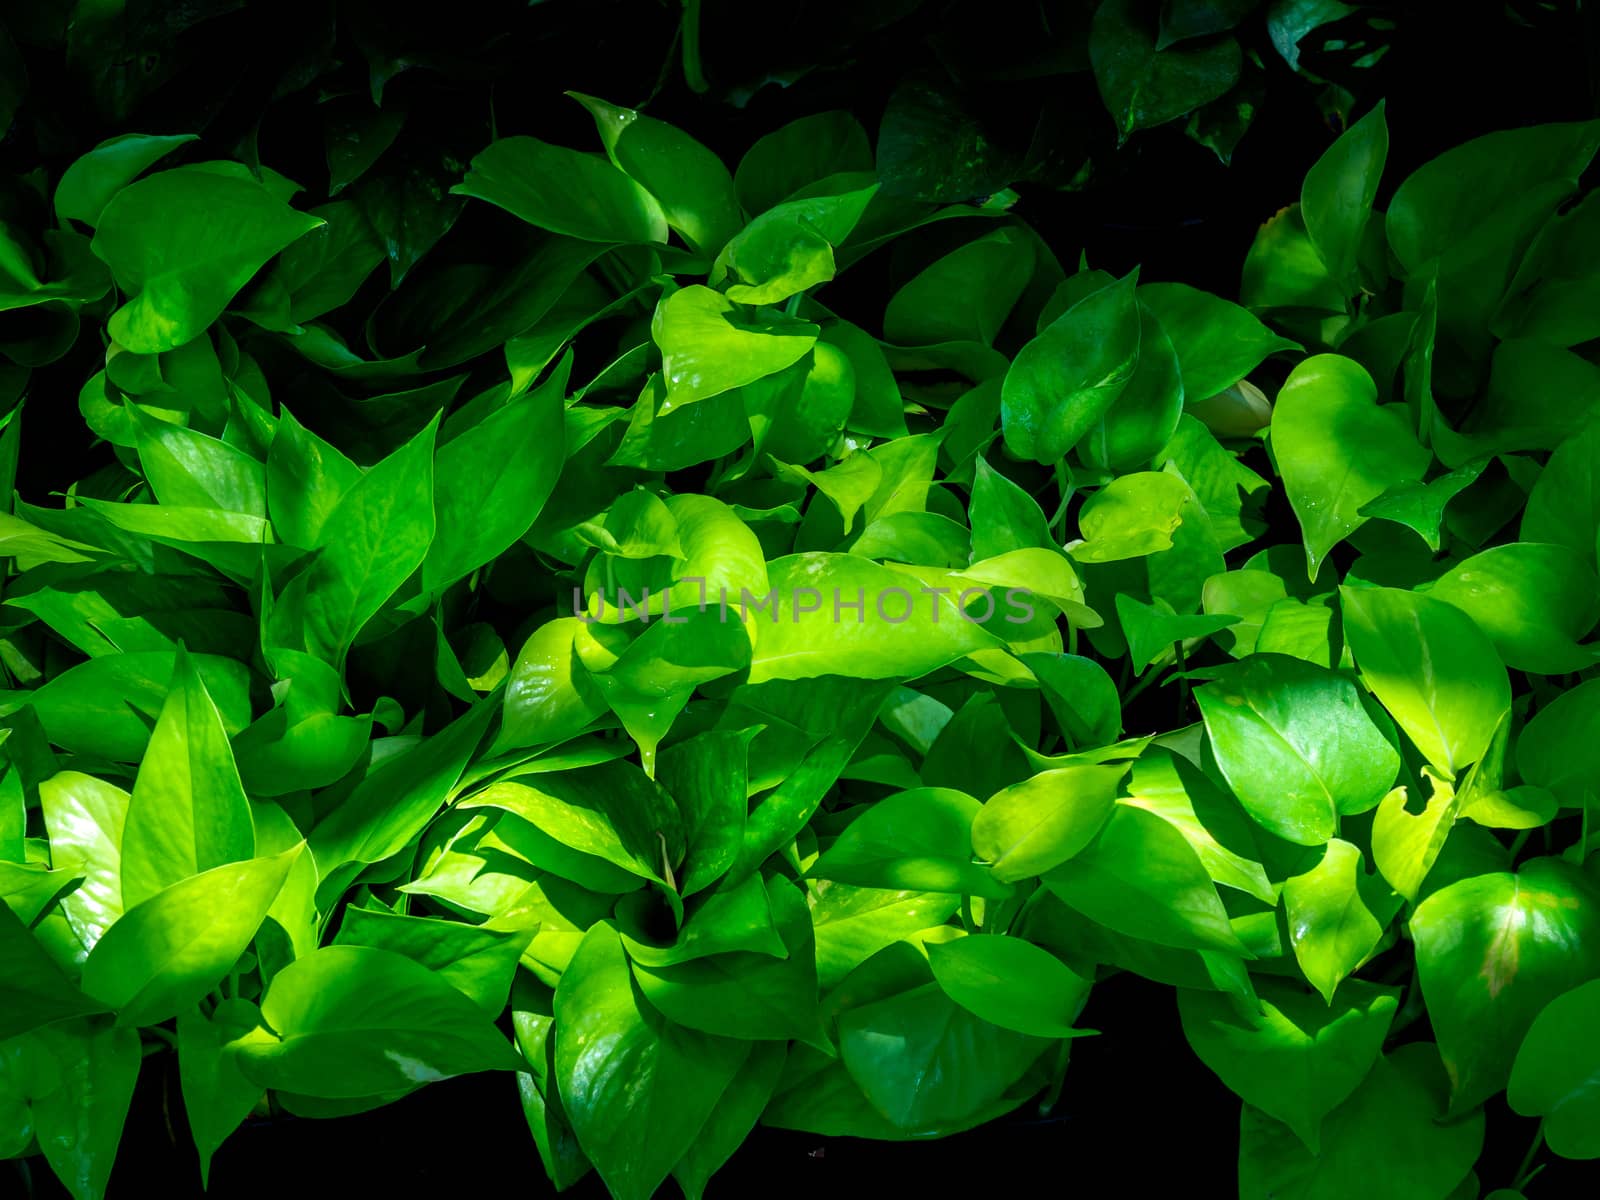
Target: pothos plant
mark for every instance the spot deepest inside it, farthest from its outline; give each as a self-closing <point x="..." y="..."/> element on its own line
<point x="631" y="655"/>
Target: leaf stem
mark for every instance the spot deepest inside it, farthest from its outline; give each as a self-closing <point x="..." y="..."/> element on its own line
<point x="1524" y="1174"/>
<point x="1139" y="686"/>
<point x="1064" y="486"/>
<point x="966" y="913"/>
<point x="1183" y="679"/>
<point x="693" y="70"/>
<point x="1518" y="842"/>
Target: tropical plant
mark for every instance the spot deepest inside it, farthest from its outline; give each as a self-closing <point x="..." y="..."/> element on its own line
<point x="757" y="645"/>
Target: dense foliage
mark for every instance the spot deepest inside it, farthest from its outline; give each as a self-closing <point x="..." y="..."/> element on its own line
<point x="758" y="641"/>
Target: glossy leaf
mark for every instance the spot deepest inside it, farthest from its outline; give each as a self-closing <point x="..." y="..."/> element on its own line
<point x="1064" y="380"/>
<point x="1432" y="668"/>
<point x="188" y="812"/>
<point x="564" y="191"/>
<point x="636" y="1088"/>
<point x="1297" y="1059"/>
<point x="1012" y="983"/>
<point x="182" y="243"/>
<point x="352" y="1021"/>
<point x="1492" y="951"/>
<point x="1553" y="1076"/>
<point x="1338" y="450"/>
<point x="1296" y="746"/>
<point x="170" y="950"/>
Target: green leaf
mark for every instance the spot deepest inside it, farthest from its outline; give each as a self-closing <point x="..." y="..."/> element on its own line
<point x="1296" y="746"/>
<point x="476" y="961"/>
<point x="1297" y="1059"/>
<point x="1140" y="877"/>
<point x="169" y="951"/>
<point x="1564" y="506"/>
<point x="1182" y="19"/>
<point x="182" y="243"/>
<point x="1151" y="629"/>
<point x="1420" y="506"/>
<point x="734" y="919"/>
<point x="636" y="1088"/>
<point x="1217" y="342"/>
<point x="188" y="813"/>
<point x="1534" y="601"/>
<point x="564" y="191"/>
<point x="1432" y="668"/>
<point x="1338" y="450"/>
<point x="732" y="1120"/>
<point x="351" y="1021"/>
<point x="708" y="347"/>
<point x="1212" y="822"/>
<point x="107" y="706"/>
<point x="708" y="778"/>
<point x="1284" y="270"/>
<point x="649" y="683"/>
<point x="533" y="1019"/>
<point x="1003" y="516"/>
<point x="548" y="694"/>
<point x="789" y="248"/>
<point x="306" y="479"/>
<point x="589" y="811"/>
<point x="1011" y="983"/>
<point x="79" y="1121"/>
<point x="746" y="995"/>
<point x="1492" y="951"/>
<point x="1336" y="198"/>
<point x="393" y="803"/>
<point x="216" y="1095"/>
<point x="922" y="1061"/>
<point x="1225" y="487"/>
<point x="800" y="153"/>
<point x="1063" y="381"/>
<point x="964" y="296"/>
<point x="1081" y="695"/>
<point x="852" y="924"/>
<point x="1337" y="915"/>
<point x="491" y="482"/>
<point x="34" y="990"/>
<point x="1405" y="845"/>
<point x="88" y="185"/>
<point x="811" y="624"/>
<point x="1132" y="516"/>
<point x="1040" y="823"/>
<point x="1143" y="418"/>
<point x="1555" y="1071"/>
<point x="1559" y="749"/>
<point x="85" y="818"/>
<point x="690" y="183"/>
<point x="1145" y="86"/>
<point x="377" y="535"/>
<point x="189" y="469"/>
<point x="1392" y="1119"/>
<point x="918" y="840"/>
<point x="1448" y="199"/>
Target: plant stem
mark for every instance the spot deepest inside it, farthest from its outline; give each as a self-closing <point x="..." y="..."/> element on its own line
<point x="1523" y="1172"/>
<point x="966" y="914"/>
<point x="1183" y="680"/>
<point x="693" y="70"/>
<point x="1140" y="686"/>
<point x="1064" y="486"/>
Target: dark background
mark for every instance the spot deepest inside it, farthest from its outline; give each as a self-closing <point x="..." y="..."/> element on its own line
<point x="1139" y="1111"/>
